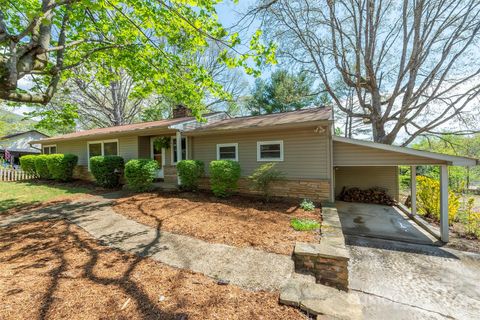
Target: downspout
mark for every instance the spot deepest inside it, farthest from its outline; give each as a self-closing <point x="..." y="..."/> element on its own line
<point x="332" y="169"/>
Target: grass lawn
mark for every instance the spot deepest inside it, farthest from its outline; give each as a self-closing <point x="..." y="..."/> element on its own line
<point x="55" y="270"/>
<point x="237" y="221"/>
<point x="20" y="194"/>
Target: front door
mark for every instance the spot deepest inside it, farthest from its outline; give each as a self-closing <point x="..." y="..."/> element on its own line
<point x="158" y="154"/>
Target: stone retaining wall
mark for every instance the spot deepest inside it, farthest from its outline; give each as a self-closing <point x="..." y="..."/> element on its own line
<point x="327" y="260"/>
<point x="170" y="174"/>
<point x="314" y="189"/>
<point x="81" y="172"/>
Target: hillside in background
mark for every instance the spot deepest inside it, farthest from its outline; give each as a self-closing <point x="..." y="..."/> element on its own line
<point x="11" y="122"/>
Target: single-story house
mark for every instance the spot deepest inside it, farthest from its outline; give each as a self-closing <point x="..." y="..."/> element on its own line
<point x="17" y="144"/>
<point x="316" y="164"/>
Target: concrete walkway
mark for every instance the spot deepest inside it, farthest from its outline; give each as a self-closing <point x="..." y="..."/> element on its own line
<point x="245" y="267"/>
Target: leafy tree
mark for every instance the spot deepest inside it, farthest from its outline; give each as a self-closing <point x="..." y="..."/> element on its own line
<point x="57" y="117"/>
<point x="412" y="65"/>
<point x="468" y="146"/>
<point x="43" y="41"/>
<point x="282" y="92"/>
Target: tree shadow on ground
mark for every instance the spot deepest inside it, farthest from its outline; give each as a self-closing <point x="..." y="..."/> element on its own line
<point x="38" y="244"/>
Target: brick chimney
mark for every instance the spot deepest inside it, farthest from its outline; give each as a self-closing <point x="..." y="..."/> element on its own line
<point x="181" y="111"/>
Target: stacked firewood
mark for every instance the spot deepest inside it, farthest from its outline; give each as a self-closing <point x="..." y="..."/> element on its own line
<point x="371" y="195"/>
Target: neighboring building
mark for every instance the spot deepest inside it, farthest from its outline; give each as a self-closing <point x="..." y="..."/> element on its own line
<point x="17" y="144"/>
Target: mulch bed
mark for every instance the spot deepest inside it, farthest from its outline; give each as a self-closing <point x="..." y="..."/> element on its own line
<point x="457" y="237"/>
<point x="54" y="270"/>
<point x="459" y="240"/>
<point x="238" y="221"/>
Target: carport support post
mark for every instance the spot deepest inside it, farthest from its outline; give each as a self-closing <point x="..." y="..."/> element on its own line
<point x="413" y="189"/>
<point x="444" y="203"/>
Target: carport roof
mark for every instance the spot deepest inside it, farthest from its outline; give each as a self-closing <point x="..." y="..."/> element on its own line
<point x="436" y="157"/>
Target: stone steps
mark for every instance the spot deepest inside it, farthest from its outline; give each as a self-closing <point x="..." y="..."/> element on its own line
<point x="323" y="301"/>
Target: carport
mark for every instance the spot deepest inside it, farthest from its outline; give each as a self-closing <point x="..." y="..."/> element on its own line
<point x="366" y="164"/>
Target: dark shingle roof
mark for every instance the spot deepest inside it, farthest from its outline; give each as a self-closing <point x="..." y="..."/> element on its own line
<point x="268" y="120"/>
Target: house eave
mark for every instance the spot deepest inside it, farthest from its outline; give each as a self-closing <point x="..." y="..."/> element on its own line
<point x="442" y="158"/>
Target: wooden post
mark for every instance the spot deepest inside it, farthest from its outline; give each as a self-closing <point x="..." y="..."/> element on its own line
<point x="413" y="189"/>
<point x="444" y="203"/>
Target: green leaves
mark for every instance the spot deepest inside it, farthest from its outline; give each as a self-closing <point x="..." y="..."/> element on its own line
<point x="282" y="92"/>
<point x="154" y="40"/>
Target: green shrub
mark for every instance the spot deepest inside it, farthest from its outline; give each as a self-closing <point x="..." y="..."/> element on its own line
<point x="27" y="164"/>
<point x="304" y="224"/>
<point x="140" y="173"/>
<point x="428" y="199"/>
<point x="224" y="175"/>
<point x="472" y="227"/>
<point x="190" y="172"/>
<point x="263" y="176"/>
<point x="107" y="170"/>
<point x="41" y="166"/>
<point x="307" y="205"/>
<point x="60" y="166"/>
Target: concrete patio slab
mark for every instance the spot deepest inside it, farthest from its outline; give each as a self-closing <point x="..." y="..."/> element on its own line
<point x="378" y="221"/>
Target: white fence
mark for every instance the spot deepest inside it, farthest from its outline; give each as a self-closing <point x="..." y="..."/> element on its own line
<point x="14" y="175"/>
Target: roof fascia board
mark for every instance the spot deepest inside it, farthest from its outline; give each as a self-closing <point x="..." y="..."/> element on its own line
<point x="136" y="132"/>
<point x="451" y="160"/>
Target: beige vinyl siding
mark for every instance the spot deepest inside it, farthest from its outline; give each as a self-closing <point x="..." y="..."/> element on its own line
<point x="345" y="154"/>
<point x="127" y="146"/>
<point x="305" y="152"/>
<point x="78" y="148"/>
<point x="367" y="177"/>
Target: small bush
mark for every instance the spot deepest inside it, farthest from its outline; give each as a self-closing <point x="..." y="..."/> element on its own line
<point x="190" y="172"/>
<point x="428" y="199"/>
<point x="263" y="176"/>
<point x="307" y="205"/>
<point x="41" y="166"/>
<point x="140" y="173"/>
<point x="27" y="163"/>
<point x="60" y="166"/>
<point x="472" y="227"/>
<point x="107" y="170"/>
<point x="304" y="224"/>
<point x="224" y="175"/>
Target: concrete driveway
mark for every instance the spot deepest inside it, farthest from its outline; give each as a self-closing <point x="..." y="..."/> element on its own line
<point x="378" y="221"/>
<point x="398" y="280"/>
<point x="399" y="274"/>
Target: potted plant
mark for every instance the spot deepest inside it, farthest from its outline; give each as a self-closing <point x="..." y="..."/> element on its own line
<point x="161" y="142"/>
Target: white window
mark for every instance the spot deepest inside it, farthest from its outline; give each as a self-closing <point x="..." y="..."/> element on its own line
<point x="102" y="148"/>
<point x="174" y="149"/>
<point x="227" y="151"/>
<point x="50" y="149"/>
<point x="270" y="150"/>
